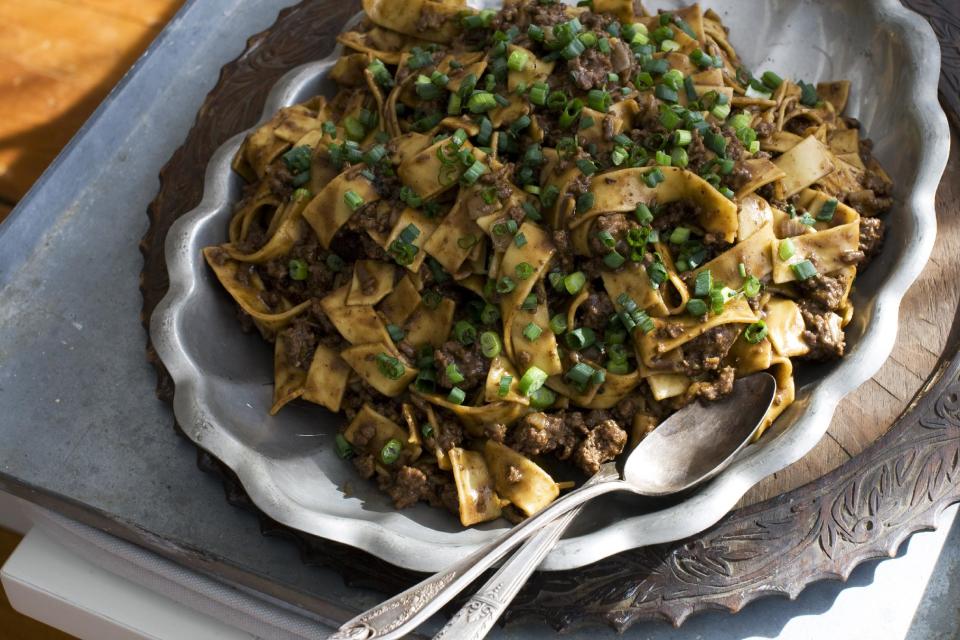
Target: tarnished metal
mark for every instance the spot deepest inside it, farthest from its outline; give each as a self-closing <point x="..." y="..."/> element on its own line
<point x="288" y="463"/>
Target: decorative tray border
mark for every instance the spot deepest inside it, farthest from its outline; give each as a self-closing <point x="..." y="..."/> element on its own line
<point x="863" y="510"/>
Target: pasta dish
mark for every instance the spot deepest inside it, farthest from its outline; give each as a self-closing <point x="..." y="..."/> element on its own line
<point x="515" y="241"/>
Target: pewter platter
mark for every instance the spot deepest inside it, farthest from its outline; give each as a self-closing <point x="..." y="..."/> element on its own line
<point x="287" y="463"/>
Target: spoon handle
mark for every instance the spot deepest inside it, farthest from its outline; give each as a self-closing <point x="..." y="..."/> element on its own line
<point x="401" y="614"/>
<point x="478" y="615"/>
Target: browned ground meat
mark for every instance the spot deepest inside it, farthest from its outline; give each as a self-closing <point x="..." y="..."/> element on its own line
<point x="450" y="431"/>
<point x="596" y="311"/>
<point x="602" y="444"/>
<point x="495" y="431"/>
<point x="407" y="487"/>
<point x="538" y="433"/>
<point x="620" y="56"/>
<point x="469" y="361"/>
<point x="826" y="291"/>
<point x="365" y="465"/>
<point x="713" y="388"/>
<point x="871" y="237"/>
<point x="590" y="69"/>
<point x="674" y="214"/>
<point x="705" y="352"/>
<point x="826" y="340"/>
<point x="300" y="342"/>
<point x="617" y="225"/>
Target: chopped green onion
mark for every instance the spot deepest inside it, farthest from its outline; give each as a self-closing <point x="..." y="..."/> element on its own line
<point x="715" y="142"/>
<point x="532" y="331"/>
<point x="453" y="373"/>
<point x="679" y="157"/>
<point x="532" y="379"/>
<point x="343" y="446"/>
<point x="808" y="94"/>
<point x="529" y="303"/>
<point x="573" y="49"/>
<point x="481" y="101"/>
<point x="490" y="314"/>
<point x="657" y="273"/>
<point x="464" y="332"/>
<point x="354" y="129"/>
<point x="517" y="60"/>
<point x="599" y="100"/>
<point x="505" y="285"/>
<point x="298" y="269"/>
<point x="772" y="80"/>
<point x="542" y="398"/>
<point x="614" y="260"/>
<point x="297" y="159"/>
<point x="755" y="332"/>
<point x="653" y="178"/>
<point x="804" y="270"/>
<point x="663" y="159"/>
<point x="353" y="200"/>
<point x="643" y="213"/>
<point x="696" y="307"/>
<point x="703" y="284"/>
<point x="473" y="173"/>
<point x="538" y="94"/>
<point x="490" y="344"/>
<point x="390" y="366"/>
<point x="456" y="396"/>
<point x="580" y="374"/>
<point x="524" y="270"/>
<point x="519" y="240"/>
<point x="680" y="235"/>
<point x="396" y="333"/>
<point x="504" y="387"/>
<point x="751" y="287"/>
<point x="571" y="111"/>
<point x="580" y="338"/>
<point x="574" y="282"/>
<point x="585" y="202"/>
<point x="721" y="111"/>
<point x="742" y="270"/>
<point x="786" y="249"/>
<point x="558" y="323"/>
<point x="827" y="210"/>
<point x="665" y="93"/>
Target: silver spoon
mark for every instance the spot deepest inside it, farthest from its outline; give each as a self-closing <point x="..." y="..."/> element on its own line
<point x="688" y="448"/>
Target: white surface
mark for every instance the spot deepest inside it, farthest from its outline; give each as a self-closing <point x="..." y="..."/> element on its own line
<point x="50" y="583"/>
<point x="46" y="580"/>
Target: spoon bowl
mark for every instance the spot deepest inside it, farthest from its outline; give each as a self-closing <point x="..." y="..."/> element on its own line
<point x="701" y="440"/>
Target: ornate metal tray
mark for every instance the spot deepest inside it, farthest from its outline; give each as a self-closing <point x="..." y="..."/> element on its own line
<point x="655" y="579"/>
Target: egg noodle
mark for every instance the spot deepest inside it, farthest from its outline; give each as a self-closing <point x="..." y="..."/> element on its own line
<point x="521" y="236"/>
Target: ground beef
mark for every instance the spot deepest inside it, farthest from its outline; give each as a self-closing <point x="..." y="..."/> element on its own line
<point x="705" y="352"/>
<point x="617" y="225"/>
<point x="670" y="216"/>
<point x="299" y="341"/>
<point x="564" y="255"/>
<point x="374" y="216"/>
<point x="602" y="444"/>
<point x="407" y="487"/>
<point x="823" y="333"/>
<point x="697" y="156"/>
<point x="711" y="389"/>
<point x="826" y="291"/>
<point x="871" y="237"/>
<point x="546" y="15"/>
<point x="590" y="69"/>
<point x="450" y="432"/>
<point x="469" y="361"/>
<point x="365" y="465"/>
<point x="495" y="431"/>
<point x="539" y="433"/>
<point x="596" y="311"/>
<point x="514" y="475"/>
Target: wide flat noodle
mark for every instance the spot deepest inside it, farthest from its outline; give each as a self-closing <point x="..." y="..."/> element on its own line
<point x="369" y="421"/>
<point x="476" y="495"/>
<point x="532" y="491"/>
<point x="425" y="19"/>
<point x="828" y="250"/>
<point x="328" y="211"/>
<point x="402" y="302"/>
<point x="372" y="281"/>
<point x="754" y="253"/>
<point x="500" y="367"/>
<point x="541" y="352"/>
<point x="785" y="327"/>
<point x="288" y="380"/>
<point x="474" y="418"/>
<point x="246" y="291"/>
<point x="358" y="324"/>
<point x="622" y="191"/>
<point x="430" y="325"/>
<point x="804" y="164"/>
<point x="652" y="346"/>
<point x="326" y="379"/>
<point x="362" y="358"/>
